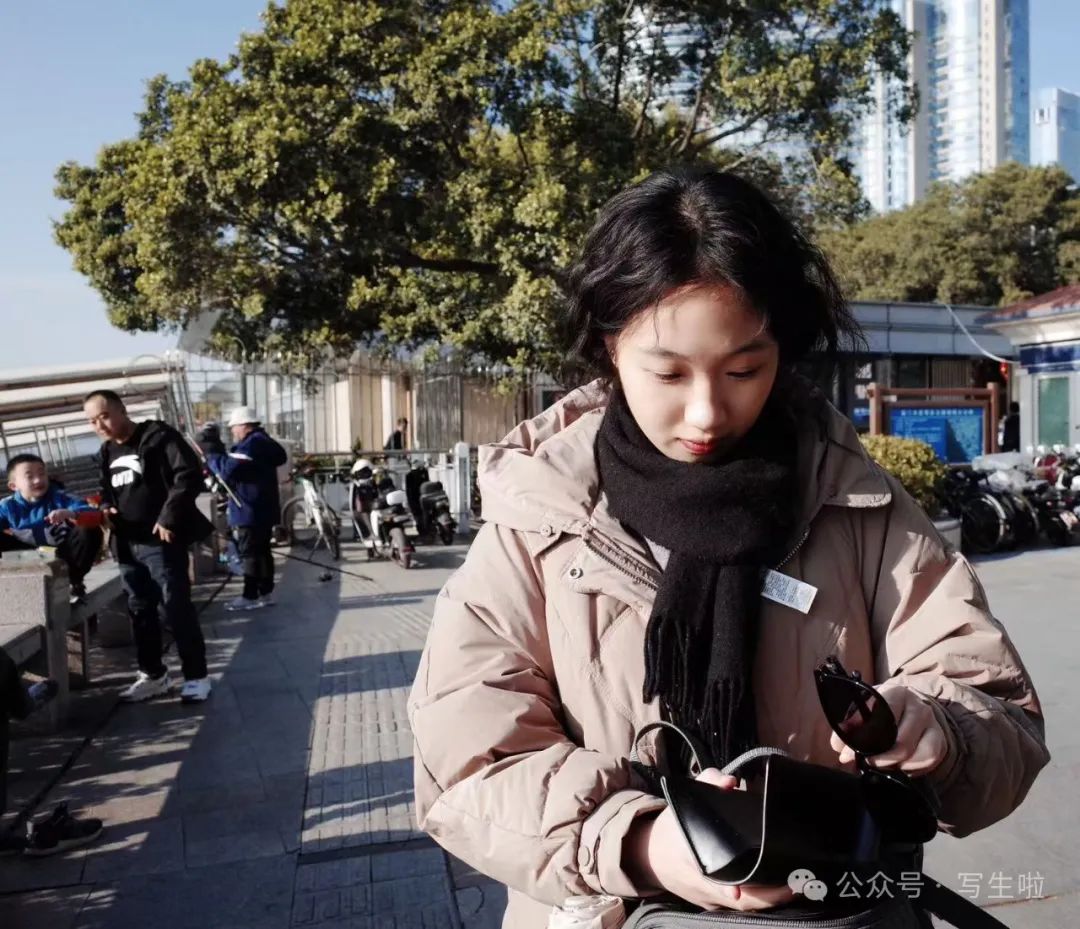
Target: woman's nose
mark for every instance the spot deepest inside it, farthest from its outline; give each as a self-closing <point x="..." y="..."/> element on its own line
<point x="705" y="411"/>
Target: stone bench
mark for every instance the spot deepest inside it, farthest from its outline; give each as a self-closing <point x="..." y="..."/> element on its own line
<point x="36" y="615"/>
<point x="22" y="641"/>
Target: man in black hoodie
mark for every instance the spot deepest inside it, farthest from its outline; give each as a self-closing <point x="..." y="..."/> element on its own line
<point x="150" y="478"/>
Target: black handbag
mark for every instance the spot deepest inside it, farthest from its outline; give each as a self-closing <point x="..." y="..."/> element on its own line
<point x="803" y="822"/>
<point x="793" y="818"/>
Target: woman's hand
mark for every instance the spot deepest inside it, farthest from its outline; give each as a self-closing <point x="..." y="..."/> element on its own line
<point x="921" y="743"/>
<point x="656" y="855"/>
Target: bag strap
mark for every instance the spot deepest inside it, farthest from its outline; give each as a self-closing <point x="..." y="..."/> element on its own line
<point x="956" y="910"/>
<point x="752" y="755"/>
<point x="697" y="749"/>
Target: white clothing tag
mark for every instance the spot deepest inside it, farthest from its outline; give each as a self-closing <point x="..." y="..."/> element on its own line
<point x="787" y="591"/>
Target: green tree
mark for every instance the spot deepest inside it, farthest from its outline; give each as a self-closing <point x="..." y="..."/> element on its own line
<point x="992" y="239"/>
<point x="413" y="172"/>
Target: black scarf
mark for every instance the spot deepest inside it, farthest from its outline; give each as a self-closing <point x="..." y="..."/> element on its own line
<point x="724" y="523"/>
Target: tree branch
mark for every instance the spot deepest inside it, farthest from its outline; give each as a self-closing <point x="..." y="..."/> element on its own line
<point x="620" y="55"/>
<point x="449" y="265"/>
<point x="650" y="81"/>
<point x="748" y="123"/>
<point x="522" y="152"/>
<point x="643" y="115"/>
<point x="699" y="102"/>
<point x="579" y="60"/>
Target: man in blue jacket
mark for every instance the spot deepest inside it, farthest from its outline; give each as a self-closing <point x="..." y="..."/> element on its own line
<point x="250" y="470"/>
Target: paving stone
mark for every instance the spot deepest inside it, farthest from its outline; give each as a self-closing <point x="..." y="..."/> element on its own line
<point x="250" y="893"/>
<point x="306" y="737"/>
<point x="44" y="909"/>
<point x="241" y="846"/>
<point x="141" y="848"/>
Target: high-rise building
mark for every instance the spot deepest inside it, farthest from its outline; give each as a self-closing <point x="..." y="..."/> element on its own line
<point x="1055" y="130"/>
<point x="970" y="63"/>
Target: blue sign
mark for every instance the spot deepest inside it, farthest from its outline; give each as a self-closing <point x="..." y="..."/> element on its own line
<point x="1063" y="356"/>
<point x="954" y="433"/>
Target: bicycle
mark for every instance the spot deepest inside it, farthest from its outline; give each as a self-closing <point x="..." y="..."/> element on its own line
<point x="309" y="519"/>
<point x="985" y="524"/>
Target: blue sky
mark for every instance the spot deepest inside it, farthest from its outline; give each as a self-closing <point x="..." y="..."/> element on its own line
<point x="71" y="80"/>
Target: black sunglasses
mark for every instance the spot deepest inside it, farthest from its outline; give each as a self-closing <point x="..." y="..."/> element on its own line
<point x="904" y="808"/>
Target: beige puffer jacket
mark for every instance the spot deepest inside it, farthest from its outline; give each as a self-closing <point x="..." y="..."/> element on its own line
<point x="529" y="691"/>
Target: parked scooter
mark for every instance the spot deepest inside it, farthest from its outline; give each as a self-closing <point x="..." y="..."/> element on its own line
<point x="430" y="505"/>
<point x="364" y="498"/>
<point x="390" y="517"/>
<point x="435" y="505"/>
<point x="1057" y="518"/>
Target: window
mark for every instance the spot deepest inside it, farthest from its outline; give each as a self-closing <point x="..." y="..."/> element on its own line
<point x="911" y="372"/>
<point x="1053" y="411"/>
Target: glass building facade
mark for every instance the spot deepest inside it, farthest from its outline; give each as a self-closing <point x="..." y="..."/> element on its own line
<point x="1055" y="130"/>
<point x="970" y="62"/>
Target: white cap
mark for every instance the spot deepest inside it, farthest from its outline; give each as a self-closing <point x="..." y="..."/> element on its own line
<point x="244" y="415"/>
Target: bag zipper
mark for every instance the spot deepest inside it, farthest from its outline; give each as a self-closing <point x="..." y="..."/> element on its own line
<point x="852" y="921"/>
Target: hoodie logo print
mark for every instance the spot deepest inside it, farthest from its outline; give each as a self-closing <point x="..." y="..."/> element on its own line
<point x="125" y="469"/>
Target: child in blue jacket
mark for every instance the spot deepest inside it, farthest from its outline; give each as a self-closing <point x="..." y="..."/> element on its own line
<point x="39" y="513"/>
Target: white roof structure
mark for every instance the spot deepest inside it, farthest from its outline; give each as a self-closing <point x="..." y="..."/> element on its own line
<point x="47" y="401"/>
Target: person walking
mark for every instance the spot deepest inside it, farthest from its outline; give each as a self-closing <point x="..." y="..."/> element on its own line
<point x="398" y="439"/>
<point x="150" y="479"/>
<point x="1010" y="429"/>
<point x="249" y="468"/>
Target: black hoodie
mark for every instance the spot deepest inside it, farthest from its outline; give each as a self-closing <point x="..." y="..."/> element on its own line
<point x="154" y="477"/>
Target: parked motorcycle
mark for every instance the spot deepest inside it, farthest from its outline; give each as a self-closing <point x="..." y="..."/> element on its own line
<point x="435" y="505"/>
<point x="430" y="505"/>
<point x="1035" y="497"/>
<point x="1056" y="516"/>
<point x="363" y="499"/>
<point x="390" y="517"/>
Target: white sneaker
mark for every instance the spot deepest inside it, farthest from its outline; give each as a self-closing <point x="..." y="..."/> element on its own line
<point x="195" y="691"/>
<point x="145" y="687"/>
<point x="243" y="603"/>
<point x="266" y="600"/>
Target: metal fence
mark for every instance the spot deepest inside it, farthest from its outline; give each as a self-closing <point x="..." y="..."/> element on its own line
<point x="356" y="403"/>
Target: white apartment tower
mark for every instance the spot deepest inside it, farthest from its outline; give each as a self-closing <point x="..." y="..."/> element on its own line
<point x="970" y="63"/>
<point x="1055" y="130"/>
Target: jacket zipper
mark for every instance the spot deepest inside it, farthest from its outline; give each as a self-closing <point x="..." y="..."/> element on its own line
<point x="795" y="550"/>
<point x="639" y="570"/>
<point x="643" y="572"/>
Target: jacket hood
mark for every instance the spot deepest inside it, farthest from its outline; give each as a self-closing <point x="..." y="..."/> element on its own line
<point x="151" y="432"/>
<point x="545" y="471"/>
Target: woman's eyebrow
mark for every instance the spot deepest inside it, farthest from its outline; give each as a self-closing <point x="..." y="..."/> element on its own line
<point x="754" y="345"/>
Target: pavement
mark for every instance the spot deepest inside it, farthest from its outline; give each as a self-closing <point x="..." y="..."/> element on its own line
<point x="286" y="800"/>
<point x="1026" y="869"/>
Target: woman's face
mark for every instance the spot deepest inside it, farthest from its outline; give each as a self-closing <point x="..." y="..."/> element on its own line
<point x="696" y="371"/>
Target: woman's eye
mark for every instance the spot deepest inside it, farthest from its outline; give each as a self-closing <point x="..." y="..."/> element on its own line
<point x="743" y="375"/>
<point x="666" y="376"/>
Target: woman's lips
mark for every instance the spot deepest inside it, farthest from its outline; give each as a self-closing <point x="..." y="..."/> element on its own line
<point x="699" y="448"/>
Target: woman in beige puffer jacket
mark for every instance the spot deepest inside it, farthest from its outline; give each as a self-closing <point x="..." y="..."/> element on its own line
<point x="530" y="689"/>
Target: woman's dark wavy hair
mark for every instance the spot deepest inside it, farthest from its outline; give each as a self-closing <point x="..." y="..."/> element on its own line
<point x="701" y="226"/>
